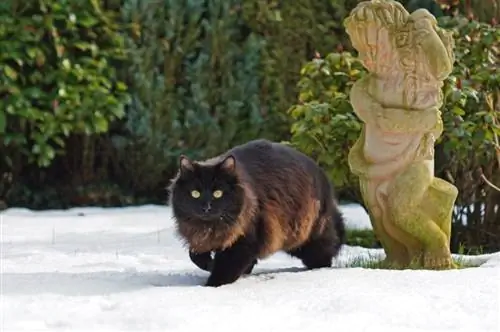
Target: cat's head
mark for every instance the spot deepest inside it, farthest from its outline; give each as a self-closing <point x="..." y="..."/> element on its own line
<point x="207" y="193"/>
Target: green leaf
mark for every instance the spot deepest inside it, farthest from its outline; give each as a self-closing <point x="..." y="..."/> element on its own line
<point x="458" y="110"/>
<point x="10" y="72"/>
<point x="3" y="122"/>
<point x="66" y="64"/>
<point x="101" y="125"/>
<point x="87" y="21"/>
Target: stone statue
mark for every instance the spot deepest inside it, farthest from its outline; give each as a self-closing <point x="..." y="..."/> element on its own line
<point x="399" y="100"/>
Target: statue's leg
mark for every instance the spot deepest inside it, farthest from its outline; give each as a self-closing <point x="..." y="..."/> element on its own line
<point x="444" y="195"/>
<point x="395" y="250"/>
<point x="404" y="197"/>
<point x="396" y="253"/>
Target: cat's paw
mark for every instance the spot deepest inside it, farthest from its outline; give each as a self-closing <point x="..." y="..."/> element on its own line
<point x="202" y="260"/>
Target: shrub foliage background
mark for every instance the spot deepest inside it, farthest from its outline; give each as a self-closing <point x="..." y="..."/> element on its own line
<point x="57" y="62"/>
<point x="201" y="75"/>
<point x="58" y="65"/>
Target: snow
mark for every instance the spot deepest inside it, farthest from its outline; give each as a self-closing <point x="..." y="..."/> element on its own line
<point x="93" y="269"/>
<point x="356" y="217"/>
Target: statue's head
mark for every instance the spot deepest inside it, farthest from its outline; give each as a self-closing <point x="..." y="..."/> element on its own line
<point x="370" y="27"/>
<point x="387" y="37"/>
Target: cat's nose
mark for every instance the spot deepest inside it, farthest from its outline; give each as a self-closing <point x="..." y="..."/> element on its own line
<point x="207" y="208"/>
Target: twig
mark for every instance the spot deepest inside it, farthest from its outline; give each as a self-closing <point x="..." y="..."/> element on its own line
<point x="488" y="182"/>
<point x="497" y="148"/>
<point x="449" y="176"/>
<point x="489" y="101"/>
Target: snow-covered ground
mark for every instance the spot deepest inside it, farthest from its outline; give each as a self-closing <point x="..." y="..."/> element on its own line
<point x="92" y="269"/>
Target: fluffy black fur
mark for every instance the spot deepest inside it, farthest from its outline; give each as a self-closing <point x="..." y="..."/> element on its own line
<point x="274" y="198"/>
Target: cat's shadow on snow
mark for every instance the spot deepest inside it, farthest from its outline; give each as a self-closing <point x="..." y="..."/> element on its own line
<point x="198" y="280"/>
<point x="110" y="282"/>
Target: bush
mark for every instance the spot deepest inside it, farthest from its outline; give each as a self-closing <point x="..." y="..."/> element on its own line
<point x="325" y="126"/>
<point x="193" y="73"/>
<point x="57" y="60"/>
<point x="470" y="147"/>
<point x="479" y="10"/>
<point x="203" y="76"/>
<point x="207" y="75"/>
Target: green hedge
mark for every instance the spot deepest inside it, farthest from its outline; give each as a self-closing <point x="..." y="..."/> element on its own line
<point x="58" y="63"/>
<point x="194" y="77"/>
<point x="202" y="76"/>
<point x="207" y="75"/>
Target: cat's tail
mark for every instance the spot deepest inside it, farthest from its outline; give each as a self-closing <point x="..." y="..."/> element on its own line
<point x="331" y="211"/>
<point x="338" y="222"/>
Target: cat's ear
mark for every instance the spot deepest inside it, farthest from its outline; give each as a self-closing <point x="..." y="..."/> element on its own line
<point x="185" y="164"/>
<point x="228" y="164"/>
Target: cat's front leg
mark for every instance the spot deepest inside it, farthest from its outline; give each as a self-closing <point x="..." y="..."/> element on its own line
<point x="233" y="262"/>
<point x="202" y="260"/>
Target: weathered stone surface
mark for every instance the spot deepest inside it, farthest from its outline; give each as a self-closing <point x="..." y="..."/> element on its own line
<point x="399" y="101"/>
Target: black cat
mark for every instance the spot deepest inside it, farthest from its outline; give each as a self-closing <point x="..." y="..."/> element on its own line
<point x="252" y="201"/>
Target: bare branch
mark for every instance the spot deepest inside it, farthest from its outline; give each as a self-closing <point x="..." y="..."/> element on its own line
<point x="488" y="182"/>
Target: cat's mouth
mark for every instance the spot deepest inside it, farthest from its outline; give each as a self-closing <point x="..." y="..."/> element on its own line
<point x="208" y="216"/>
<point x="215" y="218"/>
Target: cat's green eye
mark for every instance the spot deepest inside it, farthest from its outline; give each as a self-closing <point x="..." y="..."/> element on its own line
<point x="195" y="194"/>
<point x="217" y="193"/>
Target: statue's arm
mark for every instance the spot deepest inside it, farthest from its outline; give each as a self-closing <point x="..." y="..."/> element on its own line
<point x="362" y="103"/>
<point x="389" y="119"/>
<point x="435" y="44"/>
<point x="439" y="61"/>
<point x="401" y="120"/>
